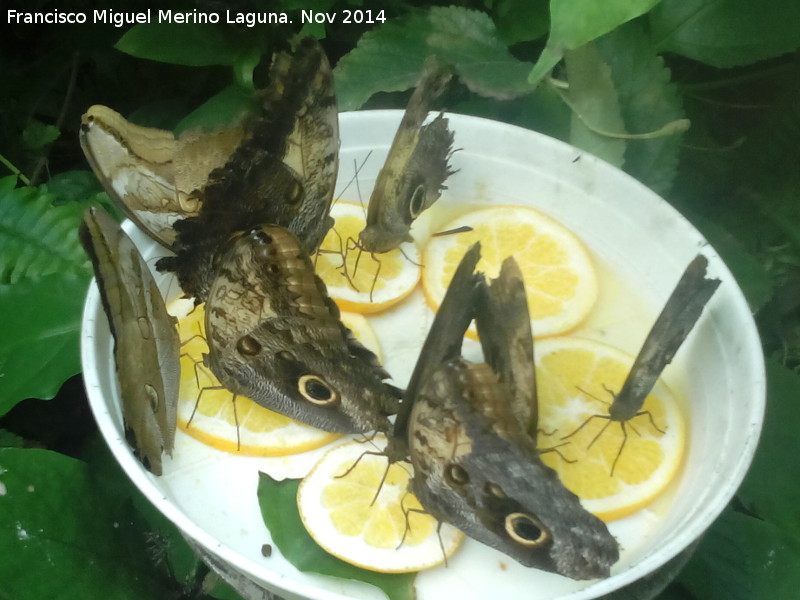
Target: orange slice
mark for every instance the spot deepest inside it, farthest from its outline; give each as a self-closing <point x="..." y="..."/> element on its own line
<point x="613" y="480"/>
<point x="388" y="534"/>
<point x="559" y="276"/>
<point x="364" y="283"/>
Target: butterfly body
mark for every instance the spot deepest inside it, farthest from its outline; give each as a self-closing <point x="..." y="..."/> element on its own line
<point x="146" y="343"/>
<point x="679" y="315"/>
<point x="478" y="470"/>
<point x="275" y="336"/>
<point x="467" y="426"/>
<point x="417" y="165"/>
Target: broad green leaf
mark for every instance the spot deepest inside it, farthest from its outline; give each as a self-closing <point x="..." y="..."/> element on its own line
<point x="39" y="348"/>
<point x="61" y="537"/>
<point x="574" y="23"/>
<point x="648" y="100"/>
<point x="777" y="504"/>
<point x="190" y="44"/>
<point x="37" y="238"/>
<point x="595" y="105"/>
<point x="726" y="33"/>
<point x="37" y="134"/>
<point x="224" y="108"/>
<point x="521" y="20"/>
<point x="389" y="58"/>
<point x="278" y="502"/>
<point x="744" y="558"/>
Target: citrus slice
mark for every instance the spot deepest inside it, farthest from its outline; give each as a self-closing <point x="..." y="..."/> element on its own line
<point x="365" y="282"/>
<point x="209" y="413"/>
<point x="559" y="276"/>
<point x="388" y="535"/>
<point x="614" y="474"/>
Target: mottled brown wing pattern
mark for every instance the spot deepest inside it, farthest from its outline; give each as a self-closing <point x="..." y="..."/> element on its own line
<point x="283" y="173"/>
<point x="413" y="176"/>
<point x="475" y="464"/>
<point x="275" y="336"/>
<point x="146" y="344"/>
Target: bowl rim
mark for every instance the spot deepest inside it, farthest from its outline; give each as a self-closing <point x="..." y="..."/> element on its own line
<point x="147" y="483"/>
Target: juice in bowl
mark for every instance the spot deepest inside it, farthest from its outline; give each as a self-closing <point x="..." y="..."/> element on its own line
<point x="638" y="246"/>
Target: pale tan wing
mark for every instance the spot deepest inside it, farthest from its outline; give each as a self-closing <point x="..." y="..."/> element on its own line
<point x="153" y="177"/>
<point x="146" y="343"/>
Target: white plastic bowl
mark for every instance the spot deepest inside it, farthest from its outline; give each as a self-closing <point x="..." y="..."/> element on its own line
<point x="641" y="245"/>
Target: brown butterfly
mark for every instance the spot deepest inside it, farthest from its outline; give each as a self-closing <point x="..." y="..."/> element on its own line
<point x="417" y="165"/>
<point x="466" y="426"/>
<point x="153" y="176"/>
<point x="275" y="336"/>
<point x="678" y="317"/>
<point x="146" y="344"/>
<point x="283" y="173"/>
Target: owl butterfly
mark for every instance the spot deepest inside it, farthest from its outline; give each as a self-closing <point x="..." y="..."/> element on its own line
<point x="146" y="344"/>
<point x="153" y="176"/>
<point x="275" y="336"/>
<point x="676" y="320"/>
<point x="413" y="176"/>
<point x="467" y="428"/>
<point x="283" y="173"/>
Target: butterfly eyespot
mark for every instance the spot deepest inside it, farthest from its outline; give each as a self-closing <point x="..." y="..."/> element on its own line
<point x="260" y="235"/>
<point x="417" y="201"/>
<point x="248" y="346"/>
<point x="317" y="391"/>
<point x="456" y="474"/>
<point x="525" y="530"/>
<point x="495" y="490"/>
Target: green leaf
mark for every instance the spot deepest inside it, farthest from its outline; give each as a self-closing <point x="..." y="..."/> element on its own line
<point x="742" y="558"/>
<point x="648" y="100"/>
<point x="574" y="23"/>
<point x="278" y="501"/>
<point x="761" y="493"/>
<point x="190" y="44"/>
<point x="747" y="269"/>
<point x="222" y="109"/>
<point x="37" y="238"/>
<point x="61" y="537"/>
<point x="10" y="440"/>
<point x="389" y="58"/>
<point x="726" y="33"/>
<point x="595" y="105"/>
<point x="37" y="134"/>
<point x="39" y="348"/>
<point x="521" y="20"/>
<point x="74" y="186"/>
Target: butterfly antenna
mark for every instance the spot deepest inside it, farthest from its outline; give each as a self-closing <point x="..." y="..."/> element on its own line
<point x="354" y="178"/>
<point x="377" y="273"/>
<point x="236" y="421"/>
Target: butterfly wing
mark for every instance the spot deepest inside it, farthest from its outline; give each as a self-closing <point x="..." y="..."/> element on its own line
<point x="504" y="330"/>
<point x="676" y="320"/>
<point x="146" y="343"/>
<point x="417" y="165"/>
<point x="152" y="176"/>
<point x="275" y="336"/>
<point x="283" y="173"/>
<point x="497" y="491"/>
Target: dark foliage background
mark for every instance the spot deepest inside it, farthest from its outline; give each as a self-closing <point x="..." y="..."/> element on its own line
<point x="696" y="98"/>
